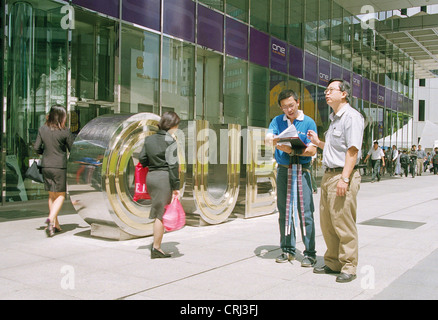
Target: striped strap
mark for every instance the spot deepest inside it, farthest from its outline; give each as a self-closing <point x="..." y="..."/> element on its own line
<point x="300" y="193"/>
<point x="288" y="202"/>
<point x="294" y="191"/>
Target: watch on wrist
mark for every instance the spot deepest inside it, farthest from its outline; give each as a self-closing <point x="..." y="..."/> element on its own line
<point x="346" y="180"/>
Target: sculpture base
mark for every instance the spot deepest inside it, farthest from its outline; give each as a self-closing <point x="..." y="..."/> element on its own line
<point x="110" y="232"/>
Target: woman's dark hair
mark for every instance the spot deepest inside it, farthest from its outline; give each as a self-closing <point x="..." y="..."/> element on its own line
<point x="168" y="120"/>
<point x="344" y="86"/>
<point x="287" y="94"/>
<point x="56" y="117"/>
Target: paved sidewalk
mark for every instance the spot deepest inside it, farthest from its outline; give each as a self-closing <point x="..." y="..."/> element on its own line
<point x="398" y="255"/>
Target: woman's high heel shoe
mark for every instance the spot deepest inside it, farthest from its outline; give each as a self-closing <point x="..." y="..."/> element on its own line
<point x="49" y="229"/>
<point x="158" y="254"/>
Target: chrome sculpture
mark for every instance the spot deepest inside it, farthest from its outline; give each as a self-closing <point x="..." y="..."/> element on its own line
<point x="224" y="168"/>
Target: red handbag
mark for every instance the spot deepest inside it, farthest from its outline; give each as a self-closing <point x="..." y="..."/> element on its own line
<point x="141" y="191"/>
<point x="174" y="217"/>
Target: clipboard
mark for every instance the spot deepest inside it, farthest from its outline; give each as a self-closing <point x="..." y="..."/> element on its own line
<point x="294" y="142"/>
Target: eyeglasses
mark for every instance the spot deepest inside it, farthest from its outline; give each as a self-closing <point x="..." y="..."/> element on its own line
<point x="329" y="90"/>
<point x="288" y="106"/>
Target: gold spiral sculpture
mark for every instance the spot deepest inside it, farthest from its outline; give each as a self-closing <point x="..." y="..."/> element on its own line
<point x="224" y="168"/>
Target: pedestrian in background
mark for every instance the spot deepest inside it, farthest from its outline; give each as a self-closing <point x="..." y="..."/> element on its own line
<point x="162" y="180"/>
<point x="377" y="158"/>
<point x="53" y="141"/>
<point x="421" y="158"/>
<point x="340" y="183"/>
<point x="404" y="163"/>
<point x="435" y="161"/>
<point x="395" y="163"/>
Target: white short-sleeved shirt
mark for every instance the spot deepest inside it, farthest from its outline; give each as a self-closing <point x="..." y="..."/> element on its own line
<point x="345" y="131"/>
<point x="376" y="154"/>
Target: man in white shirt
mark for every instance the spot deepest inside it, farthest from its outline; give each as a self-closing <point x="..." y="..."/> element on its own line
<point x="422" y="156"/>
<point x="377" y="156"/>
<point x="340" y="183"/>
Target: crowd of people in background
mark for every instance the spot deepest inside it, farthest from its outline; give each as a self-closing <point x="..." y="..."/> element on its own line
<point x="401" y="162"/>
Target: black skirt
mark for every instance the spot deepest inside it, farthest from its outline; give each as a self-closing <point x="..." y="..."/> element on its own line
<point x="158" y="185"/>
<point x="55" y="179"/>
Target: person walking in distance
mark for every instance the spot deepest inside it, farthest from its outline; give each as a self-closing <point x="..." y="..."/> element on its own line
<point x="393" y="160"/>
<point x="340" y="183"/>
<point x="421" y="158"/>
<point x="53" y="141"/>
<point x="377" y="158"/>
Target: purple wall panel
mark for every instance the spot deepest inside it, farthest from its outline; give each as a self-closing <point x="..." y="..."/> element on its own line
<point x="346" y="75"/>
<point x="388" y="100"/>
<point x="356" y="87"/>
<point x="108" y="7"/>
<point x="210" y="29"/>
<point x="394" y="101"/>
<point x="399" y="102"/>
<point x="259" y="47"/>
<point x="143" y="12"/>
<point x="374" y="92"/>
<point x="311" y="65"/>
<point x="179" y="19"/>
<point x="365" y="89"/>
<point x="336" y="71"/>
<point x="296" y="62"/>
<point x="236" y="39"/>
<point x="324" y="72"/>
<point x="278" y="55"/>
<point x="381" y="95"/>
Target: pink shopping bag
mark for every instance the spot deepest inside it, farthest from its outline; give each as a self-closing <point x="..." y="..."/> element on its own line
<point x="174" y="217"/>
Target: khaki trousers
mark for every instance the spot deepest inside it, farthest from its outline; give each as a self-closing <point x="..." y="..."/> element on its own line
<point x="338" y="222"/>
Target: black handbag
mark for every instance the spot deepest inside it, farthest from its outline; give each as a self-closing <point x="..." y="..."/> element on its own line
<point x="34" y="173"/>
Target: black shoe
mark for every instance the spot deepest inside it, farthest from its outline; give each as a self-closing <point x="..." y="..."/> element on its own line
<point x="285" y="257"/>
<point x="345" y="277"/>
<point x="308" y="262"/>
<point x="324" y="270"/>
<point x="158" y="254"/>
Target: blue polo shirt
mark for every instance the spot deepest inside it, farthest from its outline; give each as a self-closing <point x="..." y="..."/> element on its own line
<point x="303" y="123"/>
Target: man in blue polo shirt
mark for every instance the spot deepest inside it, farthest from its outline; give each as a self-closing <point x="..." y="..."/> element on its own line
<point x="289" y="103"/>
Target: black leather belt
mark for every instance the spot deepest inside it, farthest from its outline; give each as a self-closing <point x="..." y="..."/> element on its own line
<point x="338" y="169"/>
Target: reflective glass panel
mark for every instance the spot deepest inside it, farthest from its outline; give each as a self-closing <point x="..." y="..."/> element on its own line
<point x="140" y="71"/>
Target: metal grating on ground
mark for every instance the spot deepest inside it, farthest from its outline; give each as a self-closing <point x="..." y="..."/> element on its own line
<point x="402" y="224"/>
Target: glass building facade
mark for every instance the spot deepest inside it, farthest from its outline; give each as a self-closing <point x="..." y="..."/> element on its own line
<point x="224" y="61"/>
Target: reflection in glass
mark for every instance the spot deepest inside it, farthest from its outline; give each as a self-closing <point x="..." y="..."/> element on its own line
<point x="178" y="78"/>
<point x="209" y="86"/>
<point x="279" y="18"/>
<point x="37" y="71"/>
<point x="311" y="26"/>
<point x="260" y="14"/>
<point x="258" y="96"/>
<point x="140" y="71"/>
<point x="296" y="24"/>
<point x="235" y="97"/>
<point x="238" y="9"/>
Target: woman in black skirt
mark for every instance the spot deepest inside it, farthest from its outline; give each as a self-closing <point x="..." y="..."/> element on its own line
<point x="53" y="142"/>
<point x="159" y="153"/>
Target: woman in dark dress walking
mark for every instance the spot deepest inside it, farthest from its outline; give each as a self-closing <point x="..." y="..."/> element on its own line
<point x="53" y="142"/>
<point x="159" y="154"/>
